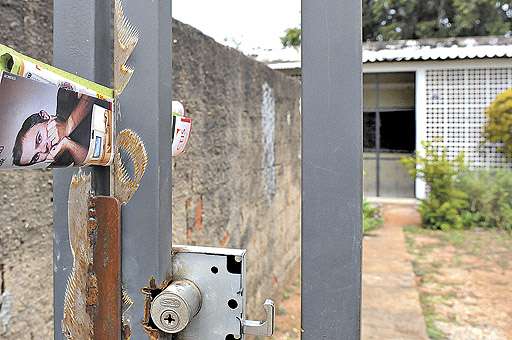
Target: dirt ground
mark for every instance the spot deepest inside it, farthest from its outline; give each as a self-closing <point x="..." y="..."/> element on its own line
<point x="288" y="313"/>
<point x="391" y="307"/>
<point x="464" y="279"/>
<point x="464" y="283"/>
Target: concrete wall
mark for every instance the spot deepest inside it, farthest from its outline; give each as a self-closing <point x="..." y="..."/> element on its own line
<point x="239" y="183"/>
<point x="237" y="186"/>
<point x="26" y="197"/>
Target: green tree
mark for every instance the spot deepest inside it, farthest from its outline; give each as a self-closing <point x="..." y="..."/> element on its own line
<point x="482" y="17"/>
<point x="292" y="37"/>
<point x="416" y="19"/>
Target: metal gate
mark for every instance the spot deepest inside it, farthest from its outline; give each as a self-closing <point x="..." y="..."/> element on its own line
<point x="331" y="155"/>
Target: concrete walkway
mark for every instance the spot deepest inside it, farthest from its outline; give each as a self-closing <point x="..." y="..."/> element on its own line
<point x="391" y="307"/>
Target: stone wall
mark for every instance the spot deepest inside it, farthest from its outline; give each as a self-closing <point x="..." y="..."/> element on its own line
<point x="237" y="186"/>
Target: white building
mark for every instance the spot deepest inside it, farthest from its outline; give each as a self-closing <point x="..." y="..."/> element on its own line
<point x="422" y="90"/>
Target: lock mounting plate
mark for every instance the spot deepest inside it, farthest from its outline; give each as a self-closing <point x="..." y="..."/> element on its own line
<point x="220" y="276"/>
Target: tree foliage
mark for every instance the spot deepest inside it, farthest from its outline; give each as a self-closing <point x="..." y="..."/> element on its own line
<point x="416" y="19"/>
<point x="498" y="128"/>
<point x="292" y="37"/>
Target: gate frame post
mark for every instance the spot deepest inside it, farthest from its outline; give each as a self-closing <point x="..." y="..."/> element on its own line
<point x="331" y="169"/>
<point x="83" y="44"/>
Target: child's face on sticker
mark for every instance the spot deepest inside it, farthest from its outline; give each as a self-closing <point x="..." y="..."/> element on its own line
<point x="36" y="144"/>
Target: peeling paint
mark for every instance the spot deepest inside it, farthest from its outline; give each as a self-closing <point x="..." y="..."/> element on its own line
<point x="126" y="37"/>
<point x="268" y="126"/>
<point x="127" y="303"/>
<point x="6" y="302"/>
<point x="125" y="185"/>
<point x="80" y="297"/>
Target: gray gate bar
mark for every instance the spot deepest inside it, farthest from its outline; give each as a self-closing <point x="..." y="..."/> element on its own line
<point x="82" y="43"/>
<point x="146" y="108"/>
<point x="331" y="169"/>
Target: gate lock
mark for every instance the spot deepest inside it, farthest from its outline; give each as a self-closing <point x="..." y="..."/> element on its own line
<point x="207" y="298"/>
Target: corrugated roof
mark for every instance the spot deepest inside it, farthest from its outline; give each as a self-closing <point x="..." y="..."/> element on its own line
<point x="438" y="49"/>
<point x="407" y="50"/>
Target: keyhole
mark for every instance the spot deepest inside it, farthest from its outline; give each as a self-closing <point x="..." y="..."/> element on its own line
<point x="170" y="319"/>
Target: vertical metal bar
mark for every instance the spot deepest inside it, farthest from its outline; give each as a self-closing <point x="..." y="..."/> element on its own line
<point x="331" y="169"/>
<point x="146" y="108"/>
<point x="83" y="45"/>
<point x="377" y="130"/>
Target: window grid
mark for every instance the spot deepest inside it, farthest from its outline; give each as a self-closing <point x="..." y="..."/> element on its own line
<point x="455" y="113"/>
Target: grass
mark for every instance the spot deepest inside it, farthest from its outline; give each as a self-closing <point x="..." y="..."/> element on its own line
<point x="429" y="313"/>
<point x="371" y="218"/>
<point x="281" y="310"/>
<point x="425" y="272"/>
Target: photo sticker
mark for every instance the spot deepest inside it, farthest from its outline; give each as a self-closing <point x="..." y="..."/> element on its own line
<point x="45" y="126"/>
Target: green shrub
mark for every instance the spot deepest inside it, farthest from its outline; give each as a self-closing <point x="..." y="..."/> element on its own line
<point x="457" y="197"/>
<point x="498" y="128"/>
<point x="443" y="207"/>
<point x="489" y="199"/>
<point x="371" y="217"/>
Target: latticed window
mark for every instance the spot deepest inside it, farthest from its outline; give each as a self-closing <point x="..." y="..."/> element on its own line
<point x="455" y="112"/>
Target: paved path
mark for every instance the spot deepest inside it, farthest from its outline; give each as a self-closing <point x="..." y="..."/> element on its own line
<point x="391" y="307"/>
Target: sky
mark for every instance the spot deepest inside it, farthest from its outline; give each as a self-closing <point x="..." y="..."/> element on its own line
<point x="249" y="25"/>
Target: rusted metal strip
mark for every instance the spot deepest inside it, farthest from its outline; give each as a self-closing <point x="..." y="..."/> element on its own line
<point x="107" y="269"/>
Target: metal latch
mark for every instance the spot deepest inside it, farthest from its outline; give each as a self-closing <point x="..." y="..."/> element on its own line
<point x="207" y="298"/>
<point x="262" y="328"/>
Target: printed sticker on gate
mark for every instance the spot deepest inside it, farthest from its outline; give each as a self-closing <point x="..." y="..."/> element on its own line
<point x="46" y="126"/>
<point x="16" y="63"/>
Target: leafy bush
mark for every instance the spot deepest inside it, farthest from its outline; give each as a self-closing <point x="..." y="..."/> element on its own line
<point x="457" y="197"/>
<point x="489" y="197"/>
<point x="445" y="202"/>
<point x="498" y="128"/>
<point x="371" y="217"/>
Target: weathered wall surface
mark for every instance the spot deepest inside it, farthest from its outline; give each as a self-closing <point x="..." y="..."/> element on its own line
<point x="239" y="183"/>
<point x="237" y="186"/>
<point x="26" y="198"/>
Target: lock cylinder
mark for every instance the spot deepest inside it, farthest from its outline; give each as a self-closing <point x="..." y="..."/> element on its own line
<point x="174" y="308"/>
